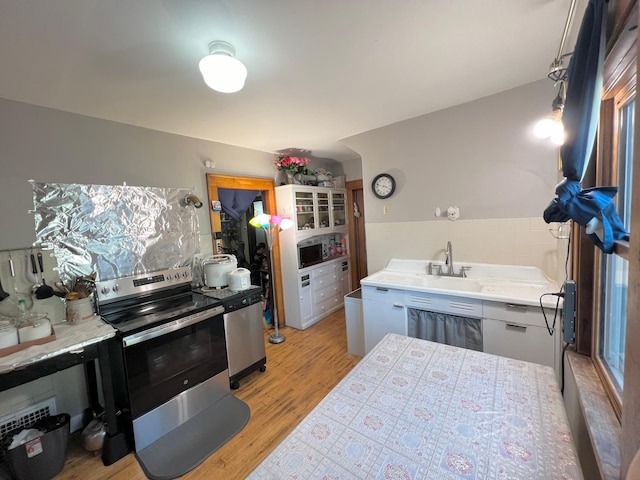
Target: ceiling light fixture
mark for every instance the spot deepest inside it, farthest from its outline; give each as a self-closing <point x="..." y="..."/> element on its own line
<point x="220" y="69"/>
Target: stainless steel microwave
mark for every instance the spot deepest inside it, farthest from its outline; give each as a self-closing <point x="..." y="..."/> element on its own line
<point x="309" y="255"/>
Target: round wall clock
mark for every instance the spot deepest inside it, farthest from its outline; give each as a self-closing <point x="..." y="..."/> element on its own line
<point x="383" y="185"/>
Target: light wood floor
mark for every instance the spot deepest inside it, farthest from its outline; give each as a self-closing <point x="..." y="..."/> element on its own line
<point x="300" y="372"/>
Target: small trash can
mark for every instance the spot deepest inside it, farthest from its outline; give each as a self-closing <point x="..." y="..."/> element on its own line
<point x="355" y="323"/>
<point x="42" y="458"/>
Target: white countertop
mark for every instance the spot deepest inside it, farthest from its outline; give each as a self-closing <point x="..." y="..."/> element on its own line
<point x="69" y="338"/>
<point x="503" y="283"/>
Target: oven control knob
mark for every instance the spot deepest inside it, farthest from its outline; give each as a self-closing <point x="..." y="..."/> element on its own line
<point x="105" y="290"/>
<point x="116" y="287"/>
<point x="184" y="274"/>
<point x="176" y="276"/>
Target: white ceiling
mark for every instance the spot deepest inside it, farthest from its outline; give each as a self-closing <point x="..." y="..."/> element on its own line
<point x="319" y="70"/>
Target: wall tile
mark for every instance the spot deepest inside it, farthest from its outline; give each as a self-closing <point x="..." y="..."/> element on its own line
<point x="509" y="241"/>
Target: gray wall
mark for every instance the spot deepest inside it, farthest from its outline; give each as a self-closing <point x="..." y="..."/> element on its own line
<point x="480" y="156"/>
<point x="52" y="146"/>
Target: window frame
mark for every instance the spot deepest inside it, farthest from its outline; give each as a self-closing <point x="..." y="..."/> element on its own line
<point x="620" y="83"/>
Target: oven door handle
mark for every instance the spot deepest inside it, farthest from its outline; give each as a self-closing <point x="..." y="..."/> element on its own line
<point x="171" y="326"/>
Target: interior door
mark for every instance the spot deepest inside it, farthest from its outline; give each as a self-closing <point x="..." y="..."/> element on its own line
<point x="357" y="240"/>
<point x="266" y="186"/>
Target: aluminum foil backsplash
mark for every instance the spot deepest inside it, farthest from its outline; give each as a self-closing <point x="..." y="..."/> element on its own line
<point x="115" y="231"/>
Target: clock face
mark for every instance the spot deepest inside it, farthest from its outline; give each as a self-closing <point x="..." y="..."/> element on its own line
<point x="383" y="185"/>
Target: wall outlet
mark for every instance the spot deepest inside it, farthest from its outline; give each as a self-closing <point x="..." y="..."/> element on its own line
<point x="386" y="210"/>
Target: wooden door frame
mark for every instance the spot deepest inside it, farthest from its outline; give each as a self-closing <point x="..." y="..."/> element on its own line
<point x="267" y="187"/>
<point x="351" y="186"/>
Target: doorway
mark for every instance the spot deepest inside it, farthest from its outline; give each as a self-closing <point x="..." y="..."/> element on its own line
<point x="357" y="239"/>
<point x="244" y="242"/>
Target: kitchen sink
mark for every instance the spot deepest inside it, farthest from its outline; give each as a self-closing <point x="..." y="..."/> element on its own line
<point x="429" y="281"/>
<point x="512" y="283"/>
<point x="449" y="283"/>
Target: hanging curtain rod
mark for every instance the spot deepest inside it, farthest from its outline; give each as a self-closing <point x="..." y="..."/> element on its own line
<point x="566" y="28"/>
<point x="557" y="71"/>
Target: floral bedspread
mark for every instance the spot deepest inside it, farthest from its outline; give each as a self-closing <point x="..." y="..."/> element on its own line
<point x="414" y="409"/>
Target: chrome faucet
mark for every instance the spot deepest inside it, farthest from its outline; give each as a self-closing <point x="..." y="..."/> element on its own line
<point x="449" y="260"/>
<point x="437" y="269"/>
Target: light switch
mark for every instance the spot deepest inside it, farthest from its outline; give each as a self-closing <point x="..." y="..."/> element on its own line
<point x="386" y="210"/>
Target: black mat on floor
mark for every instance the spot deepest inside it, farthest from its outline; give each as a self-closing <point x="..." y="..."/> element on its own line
<point x="187" y="446"/>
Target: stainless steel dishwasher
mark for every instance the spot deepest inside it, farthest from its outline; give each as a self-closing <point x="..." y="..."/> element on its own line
<point x="244" y="331"/>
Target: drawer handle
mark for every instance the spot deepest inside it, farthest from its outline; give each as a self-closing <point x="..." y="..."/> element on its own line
<point x="519" y="327"/>
<point x="397" y="305"/>
<point x="77" y="351"/>
<point x="516" y="306"/>
<point x="382" y="289"/>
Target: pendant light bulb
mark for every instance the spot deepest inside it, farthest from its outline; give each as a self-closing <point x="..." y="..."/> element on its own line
<point x="544" y="128"/>
<point x="551" y="126"/>
<point x="220" y="69"/>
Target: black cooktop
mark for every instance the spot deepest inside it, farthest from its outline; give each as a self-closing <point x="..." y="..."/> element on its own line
<point x="146" y="311"/>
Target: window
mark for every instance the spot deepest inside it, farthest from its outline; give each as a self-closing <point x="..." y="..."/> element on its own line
<point x="615" y="167"/>
<point x="614" y="268"/>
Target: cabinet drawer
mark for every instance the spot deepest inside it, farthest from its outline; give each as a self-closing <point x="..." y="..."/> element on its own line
<point x="328" y="269"/>
<point x="520" y="314"/>
<point x="326" y="279"/>
<point x="381" y="294"/>
<point x="461" y="306"/>
<point x="522" y="342"/>
<point x="328" y="305"/>
<point x="327" y="292"/>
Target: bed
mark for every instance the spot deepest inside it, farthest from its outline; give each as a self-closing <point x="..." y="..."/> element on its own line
<point x="414" y="409"/>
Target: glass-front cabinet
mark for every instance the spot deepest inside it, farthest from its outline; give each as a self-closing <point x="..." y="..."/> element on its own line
<point x="322" y="200"/>
<point x="338" y="204"/>
<point x="305" y="210"/>
<point x="315" y="210"/>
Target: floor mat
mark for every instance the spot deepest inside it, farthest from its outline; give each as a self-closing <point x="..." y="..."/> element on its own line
<point x="188" y="445"/>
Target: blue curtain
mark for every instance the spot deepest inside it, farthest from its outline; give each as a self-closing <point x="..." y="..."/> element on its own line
<point x="592" y="208"/>
<point x="235" y="202"/>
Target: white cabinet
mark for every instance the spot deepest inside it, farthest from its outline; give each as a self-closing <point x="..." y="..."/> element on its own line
<point x="306" y="297"/>
<point x="345" y="277"/>
<point x="319" y="216"/>
<point x="338" y="208"/>
<point x="314" y="210"/>
<point x="508" y="329"/>
<point x="520" y="332"/>
<point x="384" y="312"/>
<point x="320" y="292"/>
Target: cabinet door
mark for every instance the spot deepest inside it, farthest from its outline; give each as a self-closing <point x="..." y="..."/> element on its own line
<point x="383" y="313"/>
<point x="528" y="343"/>
<point x="322" y="203"/>
<point x="346" y="277"/>
<point x="339" y="211"/>
<point x="306" y="297"/>
<point x="305" y="209"/>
